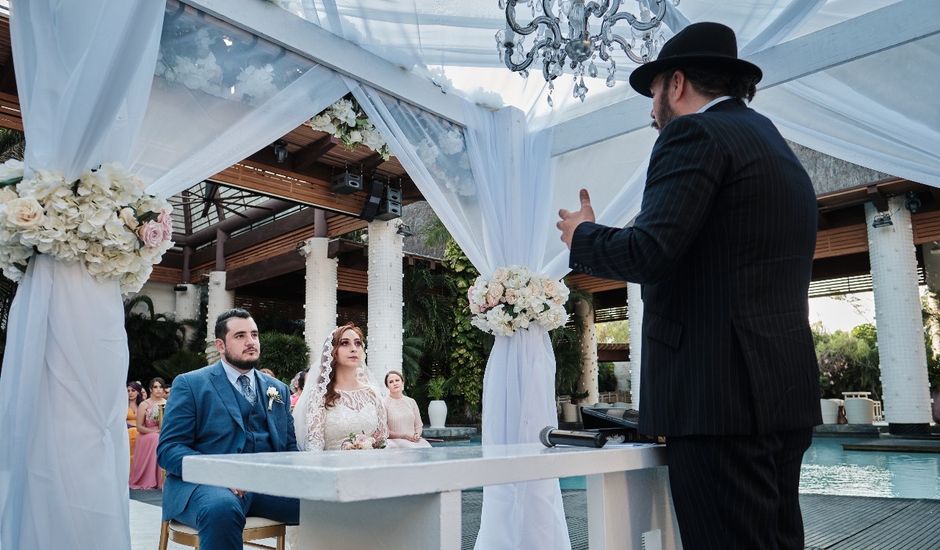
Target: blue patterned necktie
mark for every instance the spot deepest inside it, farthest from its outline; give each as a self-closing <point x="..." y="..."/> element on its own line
<point x="246" y="389"/>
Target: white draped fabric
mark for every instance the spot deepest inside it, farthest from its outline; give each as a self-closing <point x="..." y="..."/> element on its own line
<point x="84" y="96"/>
<point x="487" y="184"/>
<point x="83" y="70"/>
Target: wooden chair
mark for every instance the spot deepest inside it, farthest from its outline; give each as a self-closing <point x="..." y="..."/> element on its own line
<point x="255" y="529"/>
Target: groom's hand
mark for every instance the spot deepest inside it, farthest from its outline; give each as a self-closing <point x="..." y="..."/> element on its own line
<point x="571" y="220"/>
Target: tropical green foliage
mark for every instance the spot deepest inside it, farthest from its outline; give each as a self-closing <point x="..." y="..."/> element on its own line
<point x="439" y="387"/>
<point x="285" y="354"/>
<point x="606" y="379"/>
<point x="151" y="337"/>
<point x="566" y="341"/>
<point x="184" y="360"/>
<point x="613" y="332"/>
<point x="848" y="361"/>
<point x="469" y="346"/>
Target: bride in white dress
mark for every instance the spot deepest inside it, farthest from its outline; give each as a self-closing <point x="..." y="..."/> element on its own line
<point x="338" y="401"/>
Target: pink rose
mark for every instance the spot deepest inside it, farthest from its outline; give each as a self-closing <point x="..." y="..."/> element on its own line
<point x="166" y="221"/>
<point x="151" y="234"/>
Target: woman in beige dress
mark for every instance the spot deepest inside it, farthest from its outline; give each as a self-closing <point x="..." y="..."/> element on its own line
<point x="404" y="419"/>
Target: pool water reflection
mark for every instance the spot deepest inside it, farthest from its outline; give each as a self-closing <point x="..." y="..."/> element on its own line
<point x="830" y="470"/>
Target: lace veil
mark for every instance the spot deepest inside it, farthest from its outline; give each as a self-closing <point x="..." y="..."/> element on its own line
<point x="310" y="410"/>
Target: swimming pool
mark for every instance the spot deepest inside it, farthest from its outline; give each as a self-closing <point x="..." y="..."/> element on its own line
<point x="830" y="470"/>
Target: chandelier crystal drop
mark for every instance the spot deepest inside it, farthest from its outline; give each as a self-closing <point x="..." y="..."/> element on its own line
<point x="590" y="39"/>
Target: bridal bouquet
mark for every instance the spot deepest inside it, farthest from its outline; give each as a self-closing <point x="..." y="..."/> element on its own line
<point x="361" y="441"/>
<point x="103" y="219"/>
<point x="345" y="120"/>
<point x="513" y="298"/>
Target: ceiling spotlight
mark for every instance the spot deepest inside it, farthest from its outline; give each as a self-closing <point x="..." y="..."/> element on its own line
<point x="280" y="151"/>
<point x="405" y="230"/>
<point x="913" y="202"/>
<point x="882" y="219"/>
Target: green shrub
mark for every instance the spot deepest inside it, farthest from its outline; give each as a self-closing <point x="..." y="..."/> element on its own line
<point x="180" y="362"/>
<point x="606" y="379"/>
<point x="285" y="354"/>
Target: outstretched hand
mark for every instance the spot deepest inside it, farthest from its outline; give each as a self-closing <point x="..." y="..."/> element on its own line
<point x="571" y="220"/>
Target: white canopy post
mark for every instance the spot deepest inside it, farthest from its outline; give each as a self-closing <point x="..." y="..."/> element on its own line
<point x="62" y="398"/>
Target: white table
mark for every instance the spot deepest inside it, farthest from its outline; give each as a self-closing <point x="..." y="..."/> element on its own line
<point x="352" y="499"/>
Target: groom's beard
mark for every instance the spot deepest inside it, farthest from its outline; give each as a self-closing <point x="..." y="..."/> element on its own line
<point x="239" y="363"/>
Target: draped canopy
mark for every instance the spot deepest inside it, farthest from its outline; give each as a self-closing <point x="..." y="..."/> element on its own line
<point x="851" y="78"/>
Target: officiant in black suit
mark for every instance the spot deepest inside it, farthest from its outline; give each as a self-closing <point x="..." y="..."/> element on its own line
<point x="723" y="248"/>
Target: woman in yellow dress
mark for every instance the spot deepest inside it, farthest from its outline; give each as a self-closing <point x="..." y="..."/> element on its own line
<point x="134" y="398"/>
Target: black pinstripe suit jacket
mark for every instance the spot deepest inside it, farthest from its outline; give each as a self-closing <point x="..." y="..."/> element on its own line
<point x="723" y="247"/>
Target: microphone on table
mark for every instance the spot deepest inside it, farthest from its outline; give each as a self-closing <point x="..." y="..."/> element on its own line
<point x="551" y="436"/>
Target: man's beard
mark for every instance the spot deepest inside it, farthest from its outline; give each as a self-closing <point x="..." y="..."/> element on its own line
<point x="664" y="115"/>
<point x="239" y="363"/>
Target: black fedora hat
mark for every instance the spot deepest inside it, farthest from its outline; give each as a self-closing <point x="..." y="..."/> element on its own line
<point x="704" y="45"/>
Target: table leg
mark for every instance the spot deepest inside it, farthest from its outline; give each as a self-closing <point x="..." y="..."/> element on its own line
<point x="430" y="521"/>
<point x="624" y="508"/>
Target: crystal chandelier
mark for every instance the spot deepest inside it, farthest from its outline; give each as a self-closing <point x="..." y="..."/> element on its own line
<point x="579" y="49"/>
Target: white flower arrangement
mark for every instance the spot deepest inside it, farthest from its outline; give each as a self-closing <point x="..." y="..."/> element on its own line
<point x="104" y="219"/>
<point x="361" y="442"/>
<point x="514" y="298"/>
<point x="345" y="120"/>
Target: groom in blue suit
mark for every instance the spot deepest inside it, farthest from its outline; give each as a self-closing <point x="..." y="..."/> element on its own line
<point x="220" y="409"/>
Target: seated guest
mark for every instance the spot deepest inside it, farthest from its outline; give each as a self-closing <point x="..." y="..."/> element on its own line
<point x="269" y="372"/>
<point x="299" y="380"/>
<point x="404" y="418"/>
<point x="145" y="472"/>
<point x="225" y="408"/>
<point x="134" y="399"/>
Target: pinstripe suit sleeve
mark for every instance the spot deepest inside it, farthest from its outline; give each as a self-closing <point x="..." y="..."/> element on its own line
<point x="686" y="168"/>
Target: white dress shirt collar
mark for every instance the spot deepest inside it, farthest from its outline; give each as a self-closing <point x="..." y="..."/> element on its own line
<point x="712" y="103"/>
<point x="232" y="373"/>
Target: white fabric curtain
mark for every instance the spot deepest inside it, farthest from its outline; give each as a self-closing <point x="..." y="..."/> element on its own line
<point x="219" y="96"/>
<point x="488" y="185"/>
<point x="83" y="70"/>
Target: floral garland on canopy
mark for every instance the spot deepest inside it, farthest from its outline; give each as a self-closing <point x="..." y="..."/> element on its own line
<point x="346" y="121"/>
<point x="103" y="219"/>
<point x="514" y="298"/>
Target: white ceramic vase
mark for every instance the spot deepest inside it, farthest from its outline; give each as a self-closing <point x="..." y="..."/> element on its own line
<point x="830" y="411"/>
<point x="437" y="413"/>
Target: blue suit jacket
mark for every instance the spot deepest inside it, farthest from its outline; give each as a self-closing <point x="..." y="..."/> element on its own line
<point x="202" y="417"/>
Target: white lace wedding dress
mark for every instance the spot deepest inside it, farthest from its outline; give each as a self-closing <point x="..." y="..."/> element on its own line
<point x="358" y="411"/>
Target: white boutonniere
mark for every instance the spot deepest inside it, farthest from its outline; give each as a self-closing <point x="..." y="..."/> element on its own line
<point x="273" y="396"/>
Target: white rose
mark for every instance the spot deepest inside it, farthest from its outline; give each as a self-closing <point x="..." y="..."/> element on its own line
<point x="24" y="212"/>
<point x="127" y="217"/>
<point x="355" y="136"/>
<point x="7" y="194"/>
<point x="11" y="169"/>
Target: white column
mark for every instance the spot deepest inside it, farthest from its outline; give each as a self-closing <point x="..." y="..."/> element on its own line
<point x="187" y="302"/>
<point x="219" y="301"/>
<point x="187" y="305"/>
<point x="585" y="321"/>
<point x="385" y="298"/>
<point x="320" y="293"/>
<point x="635" y="314"/>
<point x="906" y="398"/>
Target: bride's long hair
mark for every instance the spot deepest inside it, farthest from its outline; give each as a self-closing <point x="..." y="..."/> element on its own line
<point x="331" y="394"/>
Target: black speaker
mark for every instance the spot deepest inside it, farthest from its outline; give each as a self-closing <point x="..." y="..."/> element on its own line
<point x="390" y="207"/>
<point x="376" y="194"/>
<point x="346" y="183"/>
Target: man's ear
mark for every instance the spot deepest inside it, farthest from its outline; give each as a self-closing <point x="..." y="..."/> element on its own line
<point x="219" y="345"/>
<point x="677" y="86"/>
